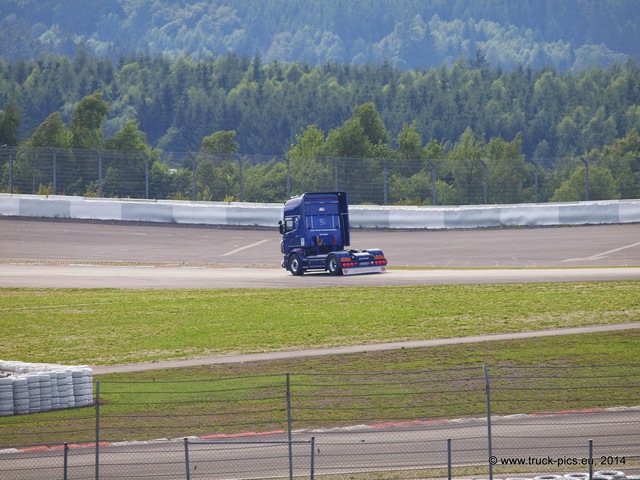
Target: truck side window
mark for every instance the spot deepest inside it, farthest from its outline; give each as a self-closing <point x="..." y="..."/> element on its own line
<point x="290" y="224"/>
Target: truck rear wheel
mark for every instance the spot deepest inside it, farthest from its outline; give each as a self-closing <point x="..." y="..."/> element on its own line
<point x="295" y="265"/>
<point x="333" y="265"/>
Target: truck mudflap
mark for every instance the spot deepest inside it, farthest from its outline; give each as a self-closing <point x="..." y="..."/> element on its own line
<point x="363" y="270"/>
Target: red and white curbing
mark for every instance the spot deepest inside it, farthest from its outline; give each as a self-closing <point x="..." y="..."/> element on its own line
<point x="373" y="426"/>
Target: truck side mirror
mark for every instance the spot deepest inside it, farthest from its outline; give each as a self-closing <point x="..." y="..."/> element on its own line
<point x="281" y="227"/>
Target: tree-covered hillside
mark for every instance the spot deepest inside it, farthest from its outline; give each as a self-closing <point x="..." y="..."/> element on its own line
<point x="179" y="102"/>
<point x="564" y="34"/>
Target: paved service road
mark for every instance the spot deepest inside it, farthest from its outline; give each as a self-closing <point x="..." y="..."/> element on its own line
<point x="419" y="445"/>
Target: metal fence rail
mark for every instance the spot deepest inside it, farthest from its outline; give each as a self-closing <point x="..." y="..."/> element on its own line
<point x="494" y="422"/>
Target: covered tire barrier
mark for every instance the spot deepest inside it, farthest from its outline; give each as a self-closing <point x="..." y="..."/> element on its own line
<point x="41" y="387"/>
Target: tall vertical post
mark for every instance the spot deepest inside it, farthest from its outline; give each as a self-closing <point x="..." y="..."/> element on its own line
<point x="33" y="173"/>
<point x="186" y="457"/>
<point x="194" y="166"/>
<point x="146" y="175"/>
<point x="590" y="459"/>
<point x="99" y="172"/>
<point x="10" y="170"/>
<point x="288" y="177"/>
<point x="65" y="465"/>
<point x="489" y="445"/>
<point x="448" y="459"/>
<point x="241" y="180"/>
<point x="289" y="431"/>
<point x="384" y="181"/>
<point x="434" y="197"/>
<point x="486" y="182"/>
<point x="313" y="458"/>
<point x="335" y="170"/>
<point x="97" y="429"/>
<point x="55" y="171"/>
<point x="535" y="177"/>
<point x="586" y="178"/>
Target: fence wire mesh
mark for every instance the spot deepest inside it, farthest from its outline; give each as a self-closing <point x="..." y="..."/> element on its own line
<point x="524" y="422"/>
<point x="198" y="176"/>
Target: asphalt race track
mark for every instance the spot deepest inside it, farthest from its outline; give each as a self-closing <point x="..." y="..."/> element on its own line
<point x="41" y="253"/>
<point x="38" y="253"/>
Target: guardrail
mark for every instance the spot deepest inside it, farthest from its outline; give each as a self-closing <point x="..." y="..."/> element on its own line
<point x="362" y="216"/>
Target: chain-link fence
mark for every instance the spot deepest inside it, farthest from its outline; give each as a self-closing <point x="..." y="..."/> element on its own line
<point x="273" y="179"/>
<point x="467" y="422"/>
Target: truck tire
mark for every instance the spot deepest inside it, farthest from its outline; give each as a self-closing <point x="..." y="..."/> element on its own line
<point x="295" y="265"/>
<point x="333" y="265"/>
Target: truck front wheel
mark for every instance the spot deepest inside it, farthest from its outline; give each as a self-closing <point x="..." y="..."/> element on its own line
<point x="333" y="265"/>
<point x="295" y="265"/>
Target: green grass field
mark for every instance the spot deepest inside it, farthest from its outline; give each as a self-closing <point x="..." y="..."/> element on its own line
<point x="100" y="327"/>
<point x="111" y="326"/>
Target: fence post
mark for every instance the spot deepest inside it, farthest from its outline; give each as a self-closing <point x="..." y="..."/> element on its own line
<point x="486" y="181"/>
<point x="33" y="174"/>
<point x="448" y="458"/>
<point x="99" y="171"/>
<point x="289" y="434"/>
<point x="193" y="175"/>
<point x="384" y="181"/>
<point x="313" y="457"/>
<point x="591" y="459"/>
<point x="146" y="175"/>
<point x="186" y="457"/>
<point x="535" y="179"/>
<point x="97" y="429"/>
<point x="288" y="177"/>
<point x="55" y="171"/>
<point x="240" y="178"/>
<point x="488" y="394"/>
<point x="10" y="170"/>
<point x="335" y="170"/>
<point x="100" y="174"/>
<point x="434" y="197"/>
<point x="65" y="467"/>
<point x="586" y="178"/>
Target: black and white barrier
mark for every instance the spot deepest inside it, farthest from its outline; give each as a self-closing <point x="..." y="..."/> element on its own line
<point x="362" y="216"/>
<point x="40" y="387"/>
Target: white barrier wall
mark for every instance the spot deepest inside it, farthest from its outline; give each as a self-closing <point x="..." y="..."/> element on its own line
<point x="40" y="387"/>
<point x="267" y="215"/>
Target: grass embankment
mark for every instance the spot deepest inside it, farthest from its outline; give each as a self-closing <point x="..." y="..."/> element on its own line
<point x="115" y="326"/>
<point x="101" y="327"/>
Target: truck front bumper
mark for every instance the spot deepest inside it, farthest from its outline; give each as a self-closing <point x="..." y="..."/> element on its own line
<point x="361" y="270"/>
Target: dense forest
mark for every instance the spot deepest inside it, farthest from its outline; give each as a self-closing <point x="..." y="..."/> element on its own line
<point x="563" y="34"/>
<point x="324" y="132"/>
<point x="423" y="96"/>
<point x="179" y="102"/>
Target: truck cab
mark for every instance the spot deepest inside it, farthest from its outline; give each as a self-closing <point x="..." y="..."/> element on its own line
<point x="315" y="233"/>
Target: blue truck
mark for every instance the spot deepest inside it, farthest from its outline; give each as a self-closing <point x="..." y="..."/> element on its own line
<point x="315" y="236"/>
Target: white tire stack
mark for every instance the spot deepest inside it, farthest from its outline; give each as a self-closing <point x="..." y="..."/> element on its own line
<point x="63" y="392"/>
<point x="55" y="392"/>
<point x="33" y="382"/>
<point x="71" y="398"/>
<point x="82" y="386"/>
<point x="6" y="397"/>
<point x="46" y="402"/>
<point x="37" y="387"/>
<point x="20" y="395"/>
